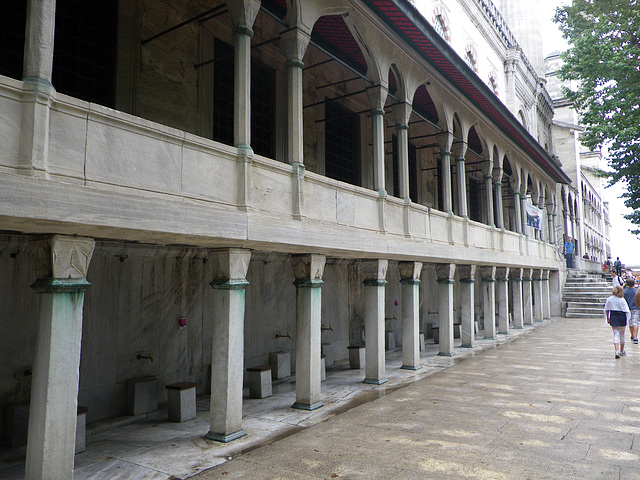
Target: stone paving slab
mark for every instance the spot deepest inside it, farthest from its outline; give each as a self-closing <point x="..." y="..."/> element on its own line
<point x="553" y="404"/>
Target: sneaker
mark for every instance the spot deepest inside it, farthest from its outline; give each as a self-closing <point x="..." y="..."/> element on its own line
<point x="623" y="353"/>
<point x="635" y="340"/>
<point x="617" y="355"/>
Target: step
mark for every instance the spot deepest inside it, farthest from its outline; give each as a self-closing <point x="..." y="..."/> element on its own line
<point x="582" y="315"/>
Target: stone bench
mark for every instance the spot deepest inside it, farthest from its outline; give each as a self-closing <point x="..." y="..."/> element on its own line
<point x="280" y="365"/>
<point x="81" y="430"/>
<point x="142" y="395"/>
<point x="260" y="382"/>
<point x="181" y="401"/>
<point x="323" y="368"/>
<point x="356" y="356"/>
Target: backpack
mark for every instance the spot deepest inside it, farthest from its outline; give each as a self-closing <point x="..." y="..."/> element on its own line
<point x="617" y="264"/>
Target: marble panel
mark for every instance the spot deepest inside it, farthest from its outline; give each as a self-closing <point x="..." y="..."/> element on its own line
<point x="367" y="212"/>
<point x="123" y="154"/>
<point x="67" y="140"/>
<point x="10" y="126"/>
<point x="394" y="217"/>
<point x="202" y="171"/>
<point x="345" y="207"/>
<point x="418" y="223"/>
<point x="271" y="188"/>
<point x="320" y="200"/>
<point x="439" y="227"/>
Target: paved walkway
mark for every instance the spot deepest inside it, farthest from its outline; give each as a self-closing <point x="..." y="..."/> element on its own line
<point x="553" y="404"/>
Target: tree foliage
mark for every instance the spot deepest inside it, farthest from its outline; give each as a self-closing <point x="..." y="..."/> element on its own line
<point x="604" y="62"/>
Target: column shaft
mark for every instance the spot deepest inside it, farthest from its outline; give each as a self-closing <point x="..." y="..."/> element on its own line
<point x="516" y="284"/>
<point x="468" y="314"/>
<point x="227" y="362"/>
<point x="38" y="49"/>
<point x="502" y="285"/>
<point x="403" y="160"/>
<point x="377" y="124"/>
<point x="537" y="298"/>
<point x="489" y="196"/>
<point x="227" y="359"/>
<point x="546" y="299"/>
<point x="445" y="160"/>
<point x="62" y="263"/>
<point x="517" y="212"/>
<point x="489" y="308"/>
<point x="242" y="88"/>
<point x="375" y="364"/>
<point x="499" y="207"/>
<point x="527" y="305"/>
<point x="445" y="313"/>
<point x="462" y="187"/>
<point x="54" y="393"/>
<point x="410" y="325"/>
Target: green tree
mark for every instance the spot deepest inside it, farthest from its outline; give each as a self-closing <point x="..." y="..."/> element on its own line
<point x="604" y="62"/>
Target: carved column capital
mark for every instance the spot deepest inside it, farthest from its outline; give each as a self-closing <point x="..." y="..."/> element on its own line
<point x="61" y="256"/>
<point x="375" y="272"/>
<point x="445" y="272"/>
<point x="488" y="274"/>
<point x="516" y="274"/>
<point x="308" y="269"/>
<point x="233" y="265"/>
<point x="410" y="272"/>
<point x="502" y="274"/>
<point x="467" y="273"/>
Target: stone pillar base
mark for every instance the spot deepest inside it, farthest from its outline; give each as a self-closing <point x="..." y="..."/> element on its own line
<point x="304" y="406"/>
<point x="217" y="437"/>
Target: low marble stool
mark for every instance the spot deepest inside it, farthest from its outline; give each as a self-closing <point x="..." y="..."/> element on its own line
<point x="390" y="340"/>
<point x="326" y="349"/>
<point x="421" y="340"/>
<point x="356" y="356"/>
<point x="260" y="382"/>
<point x="280" y="365"/>
<point x="142" y="395"/>
<point x="181" y="405"/>
<point x="323" y="368"/>
<point x="436" y="334"/>
<point x="81" y="430"/>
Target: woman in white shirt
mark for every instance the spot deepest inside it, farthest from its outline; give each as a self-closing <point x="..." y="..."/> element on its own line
<point x="617" y="312"/>
<point x="616" y="280"/>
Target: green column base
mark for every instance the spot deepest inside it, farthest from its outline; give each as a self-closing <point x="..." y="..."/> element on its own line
<point x="410" y="367"/>
<point x="373" y="381"/>
<point x="218" y="437"/>
<point x="305" y="406"/>
<point x="452" y="354"/>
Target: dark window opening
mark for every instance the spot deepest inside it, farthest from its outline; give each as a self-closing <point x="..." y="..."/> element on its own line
<point x="263" y="101"/>
<point x="263" y="108"/>
<point x="342" y="133"/>
<point x="475" y="202"/>
<point x="413" y="179"/>
<point x="223" y="92"/>
<point x="85" y="47"/>
<point x="12" y="27"/>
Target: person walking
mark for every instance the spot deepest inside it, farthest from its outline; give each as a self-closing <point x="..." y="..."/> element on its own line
<point x="629" y="296"/>
<point x="617" y="313"/>
<point x="616" y="281"/>
<point x="568" y="252"/>
<point x="618" y="266"/>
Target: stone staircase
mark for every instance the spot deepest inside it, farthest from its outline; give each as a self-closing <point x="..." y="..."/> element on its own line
<point x="584" y="295"/>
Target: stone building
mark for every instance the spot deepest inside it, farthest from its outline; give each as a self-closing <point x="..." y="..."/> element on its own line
<point x="188" y="187"/>
<point x="585" y="212"/>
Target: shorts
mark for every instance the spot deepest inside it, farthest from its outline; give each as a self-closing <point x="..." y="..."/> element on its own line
<point x="634" y="321"/>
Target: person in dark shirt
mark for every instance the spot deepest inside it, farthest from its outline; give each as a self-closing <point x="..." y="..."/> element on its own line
<point x="629" y="296"/>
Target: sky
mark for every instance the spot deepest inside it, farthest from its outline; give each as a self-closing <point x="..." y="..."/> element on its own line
<point x="623" y="244"/>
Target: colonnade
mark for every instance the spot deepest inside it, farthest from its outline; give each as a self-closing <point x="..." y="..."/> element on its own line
<point x="63" y="262"/>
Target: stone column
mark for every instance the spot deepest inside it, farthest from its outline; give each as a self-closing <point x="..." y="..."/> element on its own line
<point x="243" y="14"/>
<point x="497" y="186"/>
<point x="489" y="193"/>
<point x="377" y="96"/>
<point x="445" y="141"/>
<point x="308" y="270"/>
<point x="537" y="295"/>
<point x="546" y="300"/>
<point x="527" y="305"/>
<point x="410" y="280"/>
<point x="445" y="273"/>
<point x="467" y="274"/>
<point x="375" y="273"/>
<point x="227" y="362"/>
<point x="61" y="264"/>
<point x="38" y="66"/>
<point x="489" y="301"/>
<point x="295" y="42"/>
<point x="402" y="112"/>
<point x="517" y="205"/>
<point x="461" y="179"/>
<point x="518" y="311"/>
<point x="502" y="285"/>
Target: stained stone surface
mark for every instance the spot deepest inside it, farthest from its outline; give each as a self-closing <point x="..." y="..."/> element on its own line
<point x="533" y="405"/>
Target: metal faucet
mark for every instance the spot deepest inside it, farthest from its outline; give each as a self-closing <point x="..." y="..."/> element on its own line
<point x="144" y="357"/>
<point x="278" y="335"/>
<point x="323" y="328"/>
